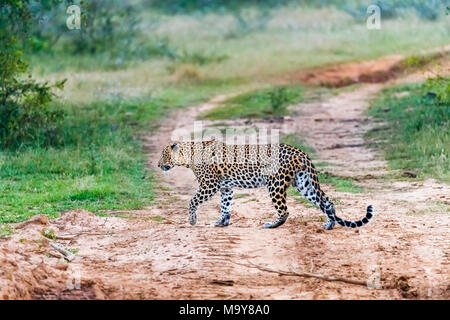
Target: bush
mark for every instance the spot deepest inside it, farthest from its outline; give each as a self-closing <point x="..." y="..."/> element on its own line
<point x="439" y="88"/>
<point x="279" y="99"/>
<point x="109" y="30"/>
<point x="425" y="9"/>
<point x="186" y="6"/>
<point x="105" y="26"/>
<point x="248" y="21"/>
<point x="25" y="117"/>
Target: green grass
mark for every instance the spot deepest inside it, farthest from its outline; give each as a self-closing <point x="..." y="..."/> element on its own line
<point x="415" y="133"/>
<point x="74" y="250"/>
<point x="241" y="195"/>
<point x="341" y="184"/>
<point x="6" y="231"/>
<point x="261" y="103"/>
<point x="157" y="218"/>
<point x="296" y="140"/>
<point x="101" y="167"/>
<point x="49" y="233"/>
<point x="293" y="192"/>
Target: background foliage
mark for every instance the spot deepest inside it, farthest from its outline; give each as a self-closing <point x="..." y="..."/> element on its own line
<point x="25" y="116"/>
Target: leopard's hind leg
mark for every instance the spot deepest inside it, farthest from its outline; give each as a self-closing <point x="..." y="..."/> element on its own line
<point x="308" y="185"/>
<point x="278" y="196"/>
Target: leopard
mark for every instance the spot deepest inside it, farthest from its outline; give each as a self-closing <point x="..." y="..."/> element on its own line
<point x="220" y="167"/>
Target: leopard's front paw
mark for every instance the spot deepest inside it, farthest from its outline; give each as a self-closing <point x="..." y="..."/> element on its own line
<point x="193" y="219"/>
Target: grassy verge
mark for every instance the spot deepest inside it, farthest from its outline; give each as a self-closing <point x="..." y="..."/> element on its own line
<point x="341" y="184"/>
<point x="259" y="103"/>
<point x="415" y="133"/>
<point x="6" y="231"/>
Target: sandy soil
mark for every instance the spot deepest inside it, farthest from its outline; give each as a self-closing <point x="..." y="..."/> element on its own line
<point x="155" y="254"/>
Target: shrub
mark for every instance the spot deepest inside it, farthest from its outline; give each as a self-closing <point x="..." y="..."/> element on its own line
<point x="186" y="6"/>
<point x="109" y="30"/>
<point x="279" y="99"/>
<point x="105" y="26"/>
<point x="425" y="9"/>
<point x="25" y="117"/>
<point x="439" y="88"/>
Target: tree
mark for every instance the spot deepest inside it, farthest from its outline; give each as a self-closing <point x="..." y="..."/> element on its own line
<point x="25" y="116"/>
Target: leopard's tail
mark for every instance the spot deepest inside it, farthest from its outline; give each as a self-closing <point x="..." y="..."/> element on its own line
<point x="331" y="214"/>
<point x="327" y="207"/>
<point x="307" y="183"/>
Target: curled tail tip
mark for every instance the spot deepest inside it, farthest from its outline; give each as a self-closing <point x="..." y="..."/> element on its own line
<point x="367" y="218"/>
<point x="359" y="223"/>
<point x="369" y="214"/>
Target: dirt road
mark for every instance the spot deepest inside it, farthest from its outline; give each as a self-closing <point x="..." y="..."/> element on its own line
<point x="155" y="254"/>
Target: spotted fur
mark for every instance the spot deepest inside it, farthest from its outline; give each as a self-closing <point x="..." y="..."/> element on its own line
<point x="221" y="167"/>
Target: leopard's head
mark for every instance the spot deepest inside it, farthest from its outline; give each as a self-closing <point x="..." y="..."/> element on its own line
<point x="169" y="157"/>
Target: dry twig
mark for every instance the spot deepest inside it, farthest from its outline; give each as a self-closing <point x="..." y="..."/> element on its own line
<point x="72" y="236"/>
<point x="303" y="274"/>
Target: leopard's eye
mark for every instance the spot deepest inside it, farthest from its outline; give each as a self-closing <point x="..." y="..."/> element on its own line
<point x="173" y="146"/>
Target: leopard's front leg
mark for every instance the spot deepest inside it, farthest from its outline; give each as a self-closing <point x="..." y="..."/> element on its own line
<point x="202" y="195"/>
<point x="225" y="206"/>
